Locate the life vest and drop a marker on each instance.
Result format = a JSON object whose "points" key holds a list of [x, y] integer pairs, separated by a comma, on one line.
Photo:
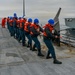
{"points": [[24, 20], [36, 27], [3, 22], [50, 28], [15, 22], [18, 23], [11, 22], [8, 19], [21, 23], [26, 26]]}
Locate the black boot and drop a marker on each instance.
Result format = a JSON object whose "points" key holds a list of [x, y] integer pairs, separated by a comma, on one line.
{"points": [[19, 39], [39, 53], [34, 48], [48, 56], [57, 62], [30, 47], [23, 44]]}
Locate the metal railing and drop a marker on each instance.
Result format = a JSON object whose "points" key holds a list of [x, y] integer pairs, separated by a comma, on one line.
{"points": [[68, 39]]}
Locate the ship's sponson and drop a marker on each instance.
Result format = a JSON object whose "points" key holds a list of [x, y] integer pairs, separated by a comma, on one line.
{"points": [[70, 22]]}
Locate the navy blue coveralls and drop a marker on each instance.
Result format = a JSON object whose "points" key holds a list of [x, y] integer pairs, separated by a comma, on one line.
{"points": [[22, 34], [35, 39], [48, 42], [27, 34]]}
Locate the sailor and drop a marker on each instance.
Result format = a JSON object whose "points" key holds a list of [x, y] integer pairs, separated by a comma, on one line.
{"points": [[18, 25], [35, 31], [15, 27], [8, 22], [11, 29], [27, 32], [47, 37], [3, 22], [21, 31]]}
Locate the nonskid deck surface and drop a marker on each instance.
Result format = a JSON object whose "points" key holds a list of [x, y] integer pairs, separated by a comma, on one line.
{"points": [[18, 60]]}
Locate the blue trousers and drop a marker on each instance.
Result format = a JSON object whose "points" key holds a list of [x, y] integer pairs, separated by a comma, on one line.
{"points": [[11, 30], [29, 38], [22, 36], [17, 33], [37, 44], [50, 47], [8, 25]]}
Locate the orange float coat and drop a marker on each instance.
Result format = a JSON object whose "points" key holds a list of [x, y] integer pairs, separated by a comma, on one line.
{"points": [[50, 29], [3, 22], [36, 27], [27, 24]]}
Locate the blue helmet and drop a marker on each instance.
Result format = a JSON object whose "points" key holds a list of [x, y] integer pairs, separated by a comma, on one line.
{"points": [[8, 17], [11, 17], [15, 15], [51, 21], [36, 21], [19, 17], [29, 20]]}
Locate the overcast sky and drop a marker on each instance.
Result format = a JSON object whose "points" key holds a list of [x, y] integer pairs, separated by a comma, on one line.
{"points": [[43, 9]]}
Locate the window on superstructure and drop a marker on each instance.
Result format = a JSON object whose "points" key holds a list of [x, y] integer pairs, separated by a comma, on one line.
{"points": [[69, 20]]}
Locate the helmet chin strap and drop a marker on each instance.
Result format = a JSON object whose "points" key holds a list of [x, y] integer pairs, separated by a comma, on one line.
{"points": [[52, 25], [37, 24]]}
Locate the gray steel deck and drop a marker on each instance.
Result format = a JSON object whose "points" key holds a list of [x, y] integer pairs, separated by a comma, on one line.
{"points": [[18, 60]]}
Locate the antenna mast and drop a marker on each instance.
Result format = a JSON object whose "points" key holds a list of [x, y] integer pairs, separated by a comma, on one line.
{"points": [[23, 8]]}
